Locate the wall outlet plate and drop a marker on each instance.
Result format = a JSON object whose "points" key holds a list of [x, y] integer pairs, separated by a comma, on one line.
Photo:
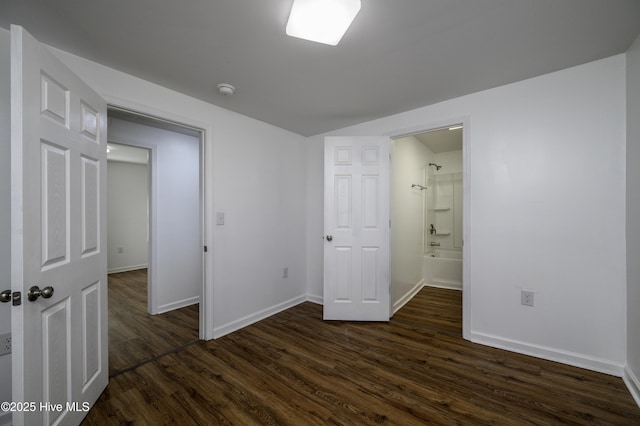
{"points": [[526, 298], [5, 343]]}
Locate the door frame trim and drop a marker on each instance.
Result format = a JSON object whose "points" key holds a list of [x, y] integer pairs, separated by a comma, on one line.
{"points": [[206, 195], [466, 196]]}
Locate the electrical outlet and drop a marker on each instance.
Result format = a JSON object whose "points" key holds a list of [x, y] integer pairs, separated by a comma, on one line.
{"points": [[5, 343], [120, 250], [285, 273], [526, 298]]}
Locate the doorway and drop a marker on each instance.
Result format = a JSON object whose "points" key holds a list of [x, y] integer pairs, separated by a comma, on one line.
{"points": [[154, 299], [427, 227]]}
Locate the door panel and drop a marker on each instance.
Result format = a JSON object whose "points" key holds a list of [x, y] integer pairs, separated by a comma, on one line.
{"points": [[356, 254], [58, 171]]}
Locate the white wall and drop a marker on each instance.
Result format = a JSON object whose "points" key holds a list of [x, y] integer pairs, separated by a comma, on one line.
{"points": [[5, 213], [255, 173], [546, 164], [409, 159], [128, 221], [176, 255], [633, 219]]}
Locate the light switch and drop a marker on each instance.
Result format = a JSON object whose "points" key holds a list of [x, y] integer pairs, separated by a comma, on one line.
{"points": [[220, 218]]}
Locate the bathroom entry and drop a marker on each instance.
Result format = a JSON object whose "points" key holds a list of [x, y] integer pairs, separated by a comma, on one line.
{"points": [[427, 213]]}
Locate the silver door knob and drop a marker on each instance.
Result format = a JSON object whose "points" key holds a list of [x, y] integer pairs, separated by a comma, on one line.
{"points": [[35, 292], [329, 238], [5, 296]]}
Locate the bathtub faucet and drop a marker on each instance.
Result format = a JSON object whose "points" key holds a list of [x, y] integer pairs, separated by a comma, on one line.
{"points": [[434, 244], [432, 229]]}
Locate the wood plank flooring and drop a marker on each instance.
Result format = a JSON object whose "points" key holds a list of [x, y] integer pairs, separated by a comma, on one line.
{"points": [[295, 369], [135, 336], [434, 308]]}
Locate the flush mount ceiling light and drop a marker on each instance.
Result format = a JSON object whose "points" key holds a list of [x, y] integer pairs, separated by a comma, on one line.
{"points": [[322, 21]]}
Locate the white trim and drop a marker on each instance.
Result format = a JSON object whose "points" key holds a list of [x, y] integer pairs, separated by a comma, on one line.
{"points": [[177, 305], [633, 384], [126, 268], [544, 352], [206, 325], [443, 284], [408, 296], [318, 300], [258, 316]]}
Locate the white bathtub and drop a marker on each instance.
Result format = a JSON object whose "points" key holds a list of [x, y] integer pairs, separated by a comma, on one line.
{"points": [[443, 268]]}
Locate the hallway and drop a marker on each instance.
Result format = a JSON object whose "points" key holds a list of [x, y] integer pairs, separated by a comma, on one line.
{"points": [[135, 337]]}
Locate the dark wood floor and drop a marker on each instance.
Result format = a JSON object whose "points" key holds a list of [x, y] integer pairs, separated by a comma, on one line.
{"points": [[295, 369], [136, 337], [434, 308]]}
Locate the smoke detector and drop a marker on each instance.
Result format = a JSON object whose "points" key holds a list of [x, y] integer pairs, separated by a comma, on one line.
{"points": [[226, 89]]}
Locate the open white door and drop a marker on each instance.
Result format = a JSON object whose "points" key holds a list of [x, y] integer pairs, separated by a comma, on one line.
{"points": [[356, 223], [58, 232]]}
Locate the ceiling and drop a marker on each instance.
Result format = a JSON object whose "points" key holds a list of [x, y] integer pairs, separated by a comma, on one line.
{"points": [[398, 55], [127, 154], [441, 140]]}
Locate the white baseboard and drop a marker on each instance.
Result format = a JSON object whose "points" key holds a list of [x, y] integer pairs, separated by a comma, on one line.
{"points": [[258, 316], [551, 354], [179, 304], [318, 300], [126, 268], [446, 285], [404, 299], [633, 384]]}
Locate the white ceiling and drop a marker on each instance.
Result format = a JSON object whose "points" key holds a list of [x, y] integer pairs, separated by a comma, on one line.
{"points": [[398, 55], [442, 140], [127, 154]]}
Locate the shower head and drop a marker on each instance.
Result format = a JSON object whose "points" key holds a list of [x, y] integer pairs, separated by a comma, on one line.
{"points": [[434, 164]]}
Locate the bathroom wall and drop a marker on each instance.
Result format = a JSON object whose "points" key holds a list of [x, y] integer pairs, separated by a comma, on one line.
{"points": [[445, 199], [409, 158], [127, 217]]}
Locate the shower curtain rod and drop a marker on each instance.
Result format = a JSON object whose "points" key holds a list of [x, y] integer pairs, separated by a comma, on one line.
{"points": [[422, 188]]}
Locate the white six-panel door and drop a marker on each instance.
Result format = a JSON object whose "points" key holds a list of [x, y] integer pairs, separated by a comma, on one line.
{"points": [[58, 156], [356, 223]]}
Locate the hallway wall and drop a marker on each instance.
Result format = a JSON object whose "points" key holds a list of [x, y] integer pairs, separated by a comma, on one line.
{"points": [[128, 216], [176, 261]]}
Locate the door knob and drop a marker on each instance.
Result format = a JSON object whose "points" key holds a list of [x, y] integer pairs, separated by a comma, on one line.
{"points": [[35, 292], [5, 296], [329, 238]]}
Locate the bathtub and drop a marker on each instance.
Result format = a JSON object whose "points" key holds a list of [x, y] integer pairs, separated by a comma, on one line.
{"points": [[443, 268]]}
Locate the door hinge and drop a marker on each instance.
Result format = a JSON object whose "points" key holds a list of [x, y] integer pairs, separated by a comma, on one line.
{"points": [[205, 249]]}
